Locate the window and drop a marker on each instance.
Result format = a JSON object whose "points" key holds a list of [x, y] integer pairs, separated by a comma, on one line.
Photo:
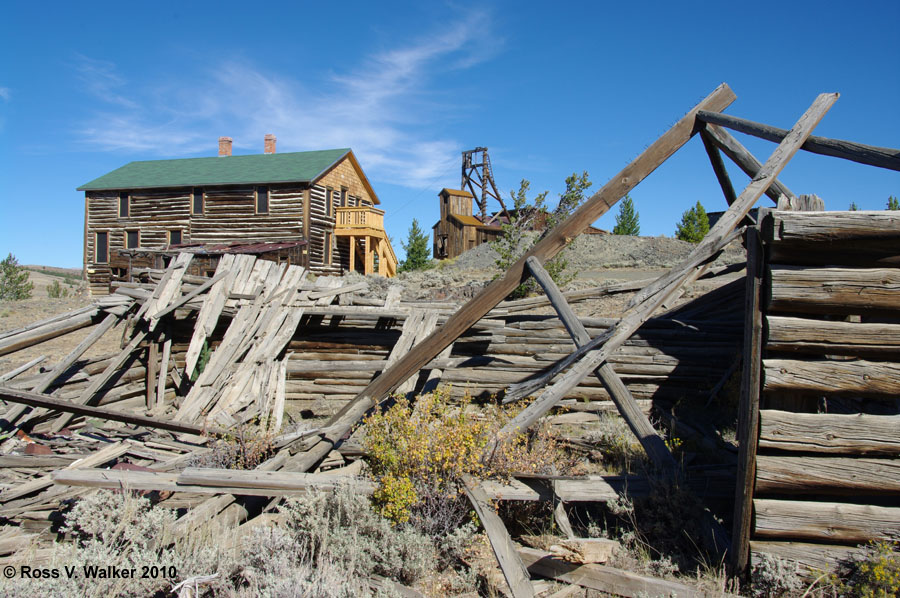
{"points": [[124, 204], [132, 239], [197, 203], [101, 248], [262, 200], [328, 251], [329, 198], [344, 197], [175, 237]]}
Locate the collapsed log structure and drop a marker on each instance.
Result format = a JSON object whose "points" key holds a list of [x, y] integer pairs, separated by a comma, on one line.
{"points": [[272, 342]]}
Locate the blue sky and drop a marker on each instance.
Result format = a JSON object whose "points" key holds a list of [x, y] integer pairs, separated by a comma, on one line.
{"points": [[550, 88]]}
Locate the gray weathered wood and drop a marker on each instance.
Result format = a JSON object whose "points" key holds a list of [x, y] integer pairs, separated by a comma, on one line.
{"points": [[608, 579], [746, 161], [47, 402], [718, 165], [834, 290], [816, 475], [871, 378], [830, 337], [883, 157], [510, 563], [838, 523], [748, 407], [811, 559], [858, 434], [832, 226]]}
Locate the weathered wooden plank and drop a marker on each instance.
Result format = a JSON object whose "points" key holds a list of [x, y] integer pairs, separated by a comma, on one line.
{"points": [[718, 166], [834, 290], [608, 579], [831, 226], [552, 244], [47, 402], [22, 368], [830, 337], [814, 521], [817, 475], [870, 378], [883, 157], [810, 559], [504, 549], [859, 434], [78, 320]]}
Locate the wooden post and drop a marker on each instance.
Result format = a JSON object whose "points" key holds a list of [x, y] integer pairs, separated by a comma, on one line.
{"points": [[352, 252], [748, 411], [152, 367]]}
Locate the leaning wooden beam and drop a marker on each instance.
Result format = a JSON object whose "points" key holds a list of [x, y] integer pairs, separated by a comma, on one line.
{"points": [[716, 238], [487, 299], [180, 302], [504, 549], [98, 382], [608, 579], [651, 441], [33, 399], [884, 157], [44, 383], [718, 166], [746, 161]]}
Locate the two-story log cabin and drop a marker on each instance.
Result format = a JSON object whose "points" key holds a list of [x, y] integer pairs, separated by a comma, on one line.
{"points": [[313, 208]]}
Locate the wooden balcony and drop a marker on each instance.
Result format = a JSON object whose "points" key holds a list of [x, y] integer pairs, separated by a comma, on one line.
{"points": [[367, 223]]}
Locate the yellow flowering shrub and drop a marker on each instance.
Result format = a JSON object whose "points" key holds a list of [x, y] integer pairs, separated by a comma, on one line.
{"points": [[418, 453], [877, 575]]}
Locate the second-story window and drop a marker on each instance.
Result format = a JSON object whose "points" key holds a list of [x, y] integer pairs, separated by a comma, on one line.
{"points": [[262, 200], [344, 203], [175, 236], [124, 205], [132, 239], [197, 203]]}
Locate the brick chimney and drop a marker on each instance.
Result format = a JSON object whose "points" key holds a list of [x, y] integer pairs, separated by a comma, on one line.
{"points": [[224, 146], [269, 144]]}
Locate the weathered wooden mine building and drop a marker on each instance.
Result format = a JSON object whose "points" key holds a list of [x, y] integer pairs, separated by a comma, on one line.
{"points": [[458, 230], [316, 208]]}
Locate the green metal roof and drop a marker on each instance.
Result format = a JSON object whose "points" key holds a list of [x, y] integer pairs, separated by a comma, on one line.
{"points": [[300, 167]]}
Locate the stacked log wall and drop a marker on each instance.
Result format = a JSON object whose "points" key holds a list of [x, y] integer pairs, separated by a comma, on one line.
{"points": [[828, 458]]}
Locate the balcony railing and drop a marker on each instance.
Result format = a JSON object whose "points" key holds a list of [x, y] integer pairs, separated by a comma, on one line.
{"points": [[363, 217]]}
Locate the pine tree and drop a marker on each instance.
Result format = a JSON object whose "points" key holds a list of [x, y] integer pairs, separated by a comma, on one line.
{"points": [[14, 283], [627, 219], [893, 203], [694, 225], [853, 207], [416, 247]]}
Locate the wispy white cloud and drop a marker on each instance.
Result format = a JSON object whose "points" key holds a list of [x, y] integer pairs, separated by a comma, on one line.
{"points": [[382, 108], [5, 93]]}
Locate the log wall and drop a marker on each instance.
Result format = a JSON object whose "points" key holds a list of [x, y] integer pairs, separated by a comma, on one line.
{"points": [[828, 459]]}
